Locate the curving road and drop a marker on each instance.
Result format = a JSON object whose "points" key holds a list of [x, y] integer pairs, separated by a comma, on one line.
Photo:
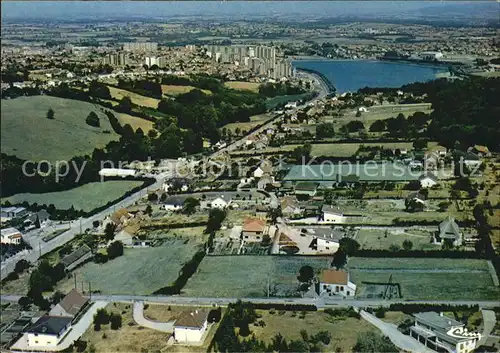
{"points": [[138, 313]]}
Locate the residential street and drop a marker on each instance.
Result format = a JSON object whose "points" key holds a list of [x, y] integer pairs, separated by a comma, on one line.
{"points": [[489, 321], [154, 325]]}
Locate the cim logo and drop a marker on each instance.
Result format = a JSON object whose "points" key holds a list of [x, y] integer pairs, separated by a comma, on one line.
{"points": [[461, 332]]}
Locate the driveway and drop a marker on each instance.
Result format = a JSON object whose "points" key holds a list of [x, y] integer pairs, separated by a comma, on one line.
{"points": [[400, 340], [75, 333], [489, 321], [154, 325]]}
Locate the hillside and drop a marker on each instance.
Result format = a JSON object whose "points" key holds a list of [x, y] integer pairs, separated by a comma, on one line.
{"points": [[28, 134]]}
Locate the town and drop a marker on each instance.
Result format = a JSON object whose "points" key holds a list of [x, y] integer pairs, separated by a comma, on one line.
{"points": [[191, 187]]}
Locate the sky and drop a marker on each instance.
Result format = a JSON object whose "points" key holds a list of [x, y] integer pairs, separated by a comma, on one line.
{"points": [[76, 10]]}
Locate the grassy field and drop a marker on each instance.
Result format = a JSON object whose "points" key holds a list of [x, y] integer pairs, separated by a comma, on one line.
{"points": [[344, 331], [381, 112], [138, 99], [275, 101], [134, 121], [129, 338], [247, 276], [379, 239], [28, 134], [175, 90], [244, 86], [426, 279], [254, 121], [138, 271], [86, 197]]}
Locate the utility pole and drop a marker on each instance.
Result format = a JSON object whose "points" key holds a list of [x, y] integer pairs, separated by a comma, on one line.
{"points": [[268, 287], [90, 291], [74, 277], [39, 249], [80, 225]]}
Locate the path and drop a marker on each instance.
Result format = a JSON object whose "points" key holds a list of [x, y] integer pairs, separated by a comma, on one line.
{"points": [[489, 321], [154, 325], [400, 340], [75, 333]]}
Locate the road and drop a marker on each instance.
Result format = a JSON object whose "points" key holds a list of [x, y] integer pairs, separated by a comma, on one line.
{"points": [[138, 313], [319, 302], [41, 248], [402, 341], [489, 321]]}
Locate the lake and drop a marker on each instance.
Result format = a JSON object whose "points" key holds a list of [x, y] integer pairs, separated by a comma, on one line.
{"points": [[351, 75]]}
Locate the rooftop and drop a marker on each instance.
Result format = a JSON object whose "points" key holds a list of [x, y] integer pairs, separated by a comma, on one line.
{"points": [[50, 325], [75, 255], [192, 319], [438, 321], [334, 277], [254, 225], [73, 302]]}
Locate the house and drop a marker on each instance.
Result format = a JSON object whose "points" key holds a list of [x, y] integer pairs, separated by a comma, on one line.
{"points": [[11, 236], [265, 181], [335, 282], [415, 197], [190, 326], [120, 217], [127, 235], [253, 230], [265, 167], [428, 180], [331, 214], [443, 334], [221, 202], [174, 203], [290, 206], [449, 229], [306, 188], [481, 151], [362, 110], [327, 242], [9, 213], [71, 305], [48, 331], [43, 217], [80, 255]]}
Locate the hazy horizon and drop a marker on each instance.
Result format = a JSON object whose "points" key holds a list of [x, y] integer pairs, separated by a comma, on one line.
{"points": [[122, 10]]}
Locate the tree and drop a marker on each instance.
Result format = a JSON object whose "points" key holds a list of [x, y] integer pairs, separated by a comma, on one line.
{"points": [[101, 317], [306, 274], [325, 130], [371, 342], [153, 197], [116, 321], [420, 144], [190, 205], [109, 231], [407, 245], [447, 244], [125, 105], [413, 185], [21, 265], [215, 219], [93, 120], [148, 210], [354, 126], [358, 114], [24, 302], [349, 246], [394, 247], [339, 259], [115, 249], [377, 126], [50, 114]]}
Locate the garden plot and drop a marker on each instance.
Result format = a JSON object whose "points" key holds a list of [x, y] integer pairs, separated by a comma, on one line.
{"points": [[249, 276], [426, 279], [138, 271], [384, 238]]}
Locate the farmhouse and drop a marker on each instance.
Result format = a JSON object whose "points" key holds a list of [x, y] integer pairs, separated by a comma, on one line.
{"points": [[48, 331], [8, 213], [127, 234], [80, 255], [443, 334], [428, 180], [264, 181], [306, 188], [253, 230], [334, 282], [190, 326], [220, 202], [11, 236], [449, 231], [120, 217], [331, 214], [71, 305], [326, 242], [174, 203], [117, 172], [290, 206], [265, 167]]}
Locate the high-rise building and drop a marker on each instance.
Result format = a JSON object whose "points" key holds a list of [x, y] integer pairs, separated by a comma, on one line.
{"points": [[159, 61], [140, 46], [116, 59]]}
